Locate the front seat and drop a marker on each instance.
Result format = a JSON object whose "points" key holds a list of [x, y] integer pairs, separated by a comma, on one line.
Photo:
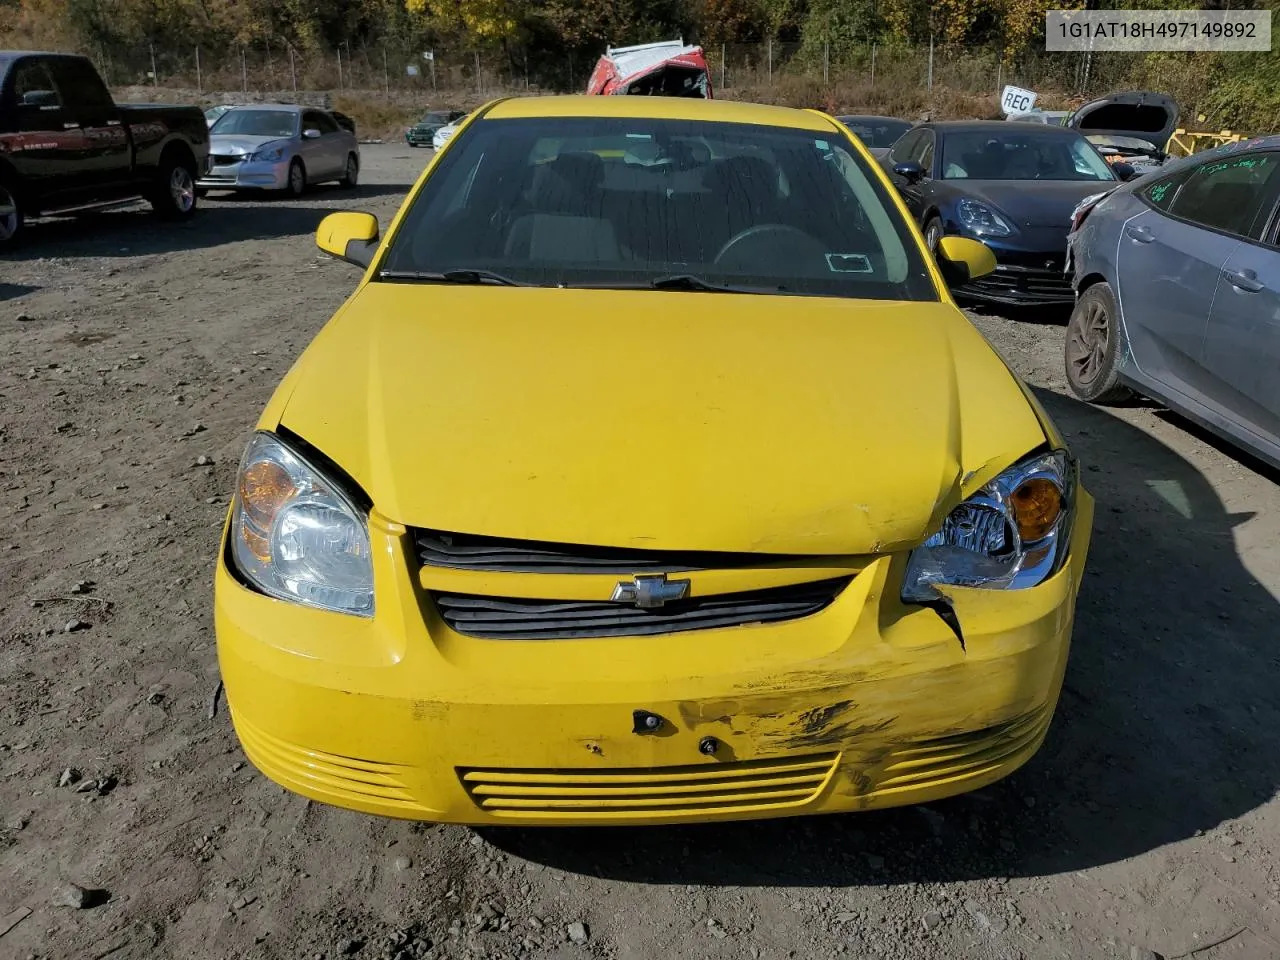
{"points": [[565, 222]]}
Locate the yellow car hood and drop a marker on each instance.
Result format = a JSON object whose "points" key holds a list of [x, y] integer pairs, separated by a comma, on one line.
{"points": [[667, 420]]}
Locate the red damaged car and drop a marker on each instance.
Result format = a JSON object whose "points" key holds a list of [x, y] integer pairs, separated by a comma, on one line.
{"points": [[667, 69]]}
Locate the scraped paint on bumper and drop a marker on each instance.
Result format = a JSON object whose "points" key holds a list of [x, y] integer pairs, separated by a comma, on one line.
{"points": [[866, 704]]}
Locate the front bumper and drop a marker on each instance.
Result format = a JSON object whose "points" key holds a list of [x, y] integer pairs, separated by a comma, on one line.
{"points": [[1019, 286], [245, 175], [866, 704], [418, 139]]}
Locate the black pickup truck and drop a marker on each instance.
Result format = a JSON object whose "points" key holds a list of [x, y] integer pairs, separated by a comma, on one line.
{"points": [[66, 146]]}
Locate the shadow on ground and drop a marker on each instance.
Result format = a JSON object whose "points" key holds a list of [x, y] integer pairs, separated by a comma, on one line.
{"points": [[1166, 724], [221, 219], [1052, 314], [12, 291]]}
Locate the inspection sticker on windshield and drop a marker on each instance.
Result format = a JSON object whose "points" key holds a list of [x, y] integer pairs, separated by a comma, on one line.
{"points": [[848, 263]]}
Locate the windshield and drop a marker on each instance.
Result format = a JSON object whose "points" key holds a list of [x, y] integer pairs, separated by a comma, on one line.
{"points": [[257, 123], [613, 202], [876, 133], [1020, 156], [436, 116]]}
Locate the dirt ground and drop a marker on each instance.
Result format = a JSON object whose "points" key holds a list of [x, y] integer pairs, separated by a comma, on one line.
{"points": [[138, 356]]}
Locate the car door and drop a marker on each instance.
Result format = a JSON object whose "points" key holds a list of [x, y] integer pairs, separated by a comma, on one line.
{"points": [[901, 152], [105, 163], [917, 195], [327, 148], [316, 155], [1242, 344], [1167, 267], [42, 142]]}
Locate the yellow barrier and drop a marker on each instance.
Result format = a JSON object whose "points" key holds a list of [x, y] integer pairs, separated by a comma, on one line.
{"points": [[1183, 143]]}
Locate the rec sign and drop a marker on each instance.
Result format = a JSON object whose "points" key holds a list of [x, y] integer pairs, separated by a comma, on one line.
{"points": [[1017, 100]]}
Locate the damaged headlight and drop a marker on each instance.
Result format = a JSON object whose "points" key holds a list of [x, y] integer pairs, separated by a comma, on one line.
{"points": [[1010, 535], [296, 536]]}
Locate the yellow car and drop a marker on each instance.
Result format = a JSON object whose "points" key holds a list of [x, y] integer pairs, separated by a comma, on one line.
{"points": [[662, 485]]}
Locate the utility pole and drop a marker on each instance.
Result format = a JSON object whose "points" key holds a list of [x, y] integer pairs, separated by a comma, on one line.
{"points": [[386, 76], [155, 79], [931, 63], [199, 81], [771, 61]]}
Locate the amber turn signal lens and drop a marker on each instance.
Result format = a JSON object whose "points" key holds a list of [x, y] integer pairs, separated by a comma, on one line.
{"points": [[265, 487], [1036, 504]]}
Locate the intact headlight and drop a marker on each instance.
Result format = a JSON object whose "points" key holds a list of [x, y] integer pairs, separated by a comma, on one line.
{"points": [[296, 536], [1010, 535], [982, 220], [268, 155]]}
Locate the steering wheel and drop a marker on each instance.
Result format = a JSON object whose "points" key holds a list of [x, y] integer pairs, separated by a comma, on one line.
{"points": [[771, 239]]}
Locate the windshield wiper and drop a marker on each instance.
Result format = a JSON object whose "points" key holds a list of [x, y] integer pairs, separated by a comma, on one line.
{"points": [[473, 277], [687, 281]]}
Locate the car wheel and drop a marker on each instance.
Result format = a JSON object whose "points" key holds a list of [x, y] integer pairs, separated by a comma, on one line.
{"points": [[11, 219], [1093, 348], [933, 233], [173, 192], [297, 183], [352, 175]]}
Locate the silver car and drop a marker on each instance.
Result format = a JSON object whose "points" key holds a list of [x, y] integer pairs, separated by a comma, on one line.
{"points": [[1178, 284], [279, 147]]}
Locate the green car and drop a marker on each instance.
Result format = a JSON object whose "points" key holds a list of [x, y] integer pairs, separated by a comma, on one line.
{"points": [[420, 134]]}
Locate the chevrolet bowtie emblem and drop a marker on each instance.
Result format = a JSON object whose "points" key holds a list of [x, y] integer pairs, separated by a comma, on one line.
{"points": [[650, 592]]}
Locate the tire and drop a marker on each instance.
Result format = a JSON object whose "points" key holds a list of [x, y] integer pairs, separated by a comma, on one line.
{"points": [[351, 177], [296, 185], [11, 218], [932, 233], [173, 192], [1092, 350]]}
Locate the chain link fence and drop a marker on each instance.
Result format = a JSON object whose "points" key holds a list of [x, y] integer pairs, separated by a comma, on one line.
{"points": [[901, 80]]}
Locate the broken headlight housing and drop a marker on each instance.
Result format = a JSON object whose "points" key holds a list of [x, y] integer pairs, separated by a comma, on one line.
{"points": [[296, 536], [1010, 535]]}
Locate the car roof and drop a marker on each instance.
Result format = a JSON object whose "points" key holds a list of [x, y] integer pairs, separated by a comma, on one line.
{"points": [[1000, 127], [659, 108], [14, 54], [286, 107], [871, 116]]}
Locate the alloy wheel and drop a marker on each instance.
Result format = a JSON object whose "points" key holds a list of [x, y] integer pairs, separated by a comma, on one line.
{"points": [[182, 189], [8, 215], [1087, 341]]}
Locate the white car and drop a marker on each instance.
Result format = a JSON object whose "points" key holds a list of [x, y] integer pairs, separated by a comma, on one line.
{"points": [[441, 136]]}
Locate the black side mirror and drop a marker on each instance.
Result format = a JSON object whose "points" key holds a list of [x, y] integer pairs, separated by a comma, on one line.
{"points": [[1125, 171], [909, 171]]}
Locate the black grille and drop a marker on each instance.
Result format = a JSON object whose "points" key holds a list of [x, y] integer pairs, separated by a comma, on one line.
{"points": [[470, 552], [225, 159], [1010, 284], [501, 618]]}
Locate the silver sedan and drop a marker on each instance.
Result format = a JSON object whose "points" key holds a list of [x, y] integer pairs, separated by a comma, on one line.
{"points": [[279, 147], [1178, 283]]}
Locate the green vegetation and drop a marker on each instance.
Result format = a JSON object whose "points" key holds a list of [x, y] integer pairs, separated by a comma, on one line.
{"points": [[821, 49]]}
